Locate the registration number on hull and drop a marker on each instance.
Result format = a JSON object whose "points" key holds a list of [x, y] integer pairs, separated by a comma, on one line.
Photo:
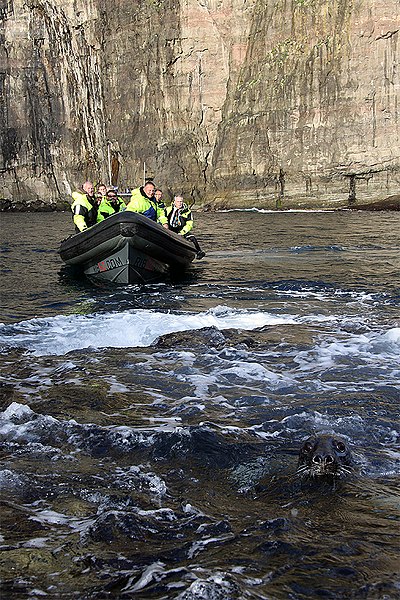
{"points": [[109, 263]]}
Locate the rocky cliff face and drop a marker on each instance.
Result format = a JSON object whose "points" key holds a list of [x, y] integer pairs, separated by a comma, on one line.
{"points": [[217, 98]]}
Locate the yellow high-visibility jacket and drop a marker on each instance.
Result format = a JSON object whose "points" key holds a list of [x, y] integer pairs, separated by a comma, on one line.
{"points": [[106, 208], [140, 203], [179, 220], [84, 210]]}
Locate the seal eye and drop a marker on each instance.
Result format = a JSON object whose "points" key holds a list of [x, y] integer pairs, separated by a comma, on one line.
{"points": [[340, 447], [308, 447]]}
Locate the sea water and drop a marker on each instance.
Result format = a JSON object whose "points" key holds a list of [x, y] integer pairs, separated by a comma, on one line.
{"points": [[150, 433]]}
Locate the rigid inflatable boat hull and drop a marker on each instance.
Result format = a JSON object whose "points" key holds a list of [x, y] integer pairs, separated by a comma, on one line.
{"points": [[128, 248], [126, 265]]}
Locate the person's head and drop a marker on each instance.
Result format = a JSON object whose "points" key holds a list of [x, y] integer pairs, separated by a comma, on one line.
{"points": [[88, 187], [101, 189], [149, 189], [158, 194], [178, 201], [111, 195]]}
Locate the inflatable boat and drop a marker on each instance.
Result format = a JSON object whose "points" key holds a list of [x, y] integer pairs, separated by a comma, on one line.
{"points": [[128, 248]]}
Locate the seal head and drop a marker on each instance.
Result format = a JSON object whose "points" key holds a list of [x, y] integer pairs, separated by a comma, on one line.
{"points": [[324, 456]]}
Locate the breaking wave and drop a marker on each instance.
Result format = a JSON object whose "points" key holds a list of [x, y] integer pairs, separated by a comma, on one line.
{"points": [[61, 334]]}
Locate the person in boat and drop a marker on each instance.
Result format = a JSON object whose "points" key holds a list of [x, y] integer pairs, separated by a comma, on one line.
{"points": [[142, 201], [179, 216], [180, 220], [101, 192], [158, 194], [109, 205], [84, 207]]}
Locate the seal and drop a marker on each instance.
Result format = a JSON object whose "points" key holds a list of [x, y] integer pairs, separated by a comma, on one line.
{"points": [[324, 456]]}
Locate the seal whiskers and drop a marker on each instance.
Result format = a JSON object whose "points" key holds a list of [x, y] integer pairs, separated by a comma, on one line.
{"points": [[324, 456]]}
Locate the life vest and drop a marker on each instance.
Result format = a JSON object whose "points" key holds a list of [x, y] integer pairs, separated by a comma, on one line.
{"points": [[107, 208], [180, 220], [84, 210], [146, 206], [151, 212]]}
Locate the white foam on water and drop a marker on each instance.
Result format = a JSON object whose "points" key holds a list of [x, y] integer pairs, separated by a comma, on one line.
{"points": [[251, 371], [139, 328], [390, 338], [280, 211], [50, 517], [312, 422], [201, 545], [152, 572], [19, 422], [366, 348], [9, 479], [16, 411], [39, 542], [134, 477], [35, 592]]}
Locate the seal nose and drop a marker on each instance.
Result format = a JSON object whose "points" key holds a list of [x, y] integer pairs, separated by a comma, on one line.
{"points": [[326, 459]]}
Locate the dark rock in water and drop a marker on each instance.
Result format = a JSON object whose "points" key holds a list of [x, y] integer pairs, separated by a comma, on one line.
{"points": [[113, 525], [278, 524], [390, 203], [202, 445], [211, 337], [207, 336], [36, 205], [5, 204], [214, 529]]}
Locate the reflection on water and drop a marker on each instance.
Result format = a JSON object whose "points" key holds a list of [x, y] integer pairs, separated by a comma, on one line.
{"points": [[150, 433]]}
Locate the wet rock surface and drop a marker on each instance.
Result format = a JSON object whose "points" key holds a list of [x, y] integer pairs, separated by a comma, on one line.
{"points": [[220, 101], [391, 203]]}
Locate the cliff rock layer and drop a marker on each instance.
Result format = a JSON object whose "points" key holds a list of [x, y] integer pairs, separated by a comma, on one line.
{"points": [[215, 98]]}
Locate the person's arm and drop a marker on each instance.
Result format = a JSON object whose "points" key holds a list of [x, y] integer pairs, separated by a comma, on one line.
{"points": [[80, 213], [122, 205], [104, 210], [161, 218], [188, 225], [136, 204], [79, 221]]}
